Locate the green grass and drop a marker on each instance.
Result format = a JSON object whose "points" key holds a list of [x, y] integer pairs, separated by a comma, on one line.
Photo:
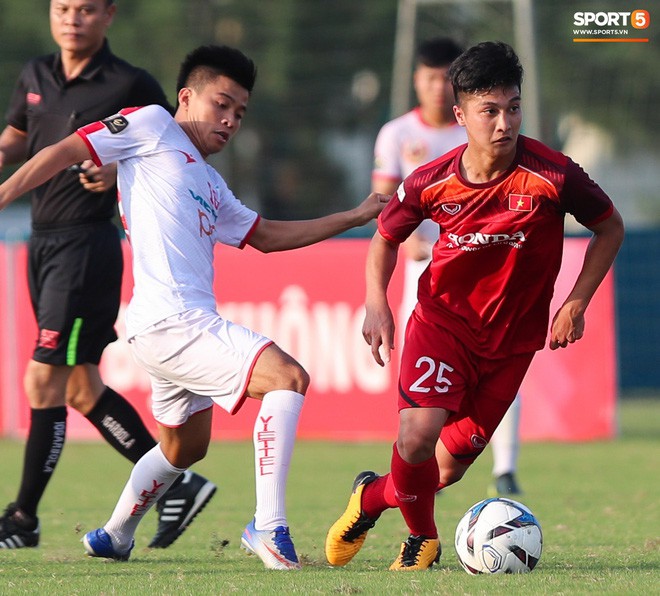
{"points": [[597, 502]]}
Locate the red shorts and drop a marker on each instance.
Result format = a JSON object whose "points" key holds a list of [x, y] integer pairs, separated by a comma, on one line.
{"points": [[438, 371]]}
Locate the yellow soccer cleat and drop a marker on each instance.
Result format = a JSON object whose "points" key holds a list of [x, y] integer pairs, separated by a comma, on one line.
{"points": [[347, 535], [418, 552]]}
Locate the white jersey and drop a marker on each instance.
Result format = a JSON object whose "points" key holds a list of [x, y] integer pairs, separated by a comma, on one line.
{"points": [[174, 208], [407, 142]]}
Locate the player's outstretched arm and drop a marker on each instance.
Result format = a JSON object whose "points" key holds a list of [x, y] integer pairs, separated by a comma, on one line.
{"points": [[378, 327], [273, 235], [42, 167], [13, 146], [568, 323]]}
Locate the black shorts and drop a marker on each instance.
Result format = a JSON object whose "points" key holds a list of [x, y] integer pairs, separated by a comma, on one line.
{"points": [[75, 285]]}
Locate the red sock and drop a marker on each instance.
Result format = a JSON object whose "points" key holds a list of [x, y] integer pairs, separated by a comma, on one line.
{"points": [[416, 485], [381, 495], [378, 496]]}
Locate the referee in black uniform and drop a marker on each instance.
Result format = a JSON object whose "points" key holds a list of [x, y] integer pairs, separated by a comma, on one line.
{"points": [[75, 264]]}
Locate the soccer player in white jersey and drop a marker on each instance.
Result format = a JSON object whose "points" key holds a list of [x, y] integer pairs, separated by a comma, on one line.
{"points": [[421, 135], [175, 207]]}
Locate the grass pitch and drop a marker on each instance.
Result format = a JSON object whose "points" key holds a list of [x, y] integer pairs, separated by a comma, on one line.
{"points": [[597, 503]]}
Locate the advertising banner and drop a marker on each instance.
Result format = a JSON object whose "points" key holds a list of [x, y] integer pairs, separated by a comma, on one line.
{"points": [[311, 303]]}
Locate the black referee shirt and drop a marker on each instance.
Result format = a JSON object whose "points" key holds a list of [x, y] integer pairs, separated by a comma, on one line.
{"points": [[48, 108]]}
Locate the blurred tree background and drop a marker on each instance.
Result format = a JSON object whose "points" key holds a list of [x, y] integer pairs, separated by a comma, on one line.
{"points": [[325, 73]]}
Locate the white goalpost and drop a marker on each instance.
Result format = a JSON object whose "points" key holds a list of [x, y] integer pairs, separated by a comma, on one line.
{"points": [[404, 52]]}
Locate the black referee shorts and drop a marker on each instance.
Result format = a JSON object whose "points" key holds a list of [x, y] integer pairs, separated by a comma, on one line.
{"points": [[75, 276]]}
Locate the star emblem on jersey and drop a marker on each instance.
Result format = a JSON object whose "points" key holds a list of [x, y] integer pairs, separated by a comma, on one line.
{"points": [[520, 202], [451, 208]]}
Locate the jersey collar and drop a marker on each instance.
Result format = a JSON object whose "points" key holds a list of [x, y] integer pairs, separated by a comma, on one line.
{"points": [[98, 60], [520, 145]]}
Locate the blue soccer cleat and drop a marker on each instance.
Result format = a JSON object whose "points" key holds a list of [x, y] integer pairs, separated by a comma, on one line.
{"points": [[273, 547], [98, 544]]}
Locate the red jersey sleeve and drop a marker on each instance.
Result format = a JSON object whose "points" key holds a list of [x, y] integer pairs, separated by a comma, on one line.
{"points": [[402, 214], [406, 210], [583, 198]]}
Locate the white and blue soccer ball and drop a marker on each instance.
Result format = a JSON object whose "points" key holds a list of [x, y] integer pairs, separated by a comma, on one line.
{"points": [[498, 536]]}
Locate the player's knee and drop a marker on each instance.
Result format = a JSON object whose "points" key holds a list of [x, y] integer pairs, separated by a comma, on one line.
{"points": [[44, 385], [82, 401], [416, 448], [293, 377], [185, 457], [198, 453], [301, 380]]}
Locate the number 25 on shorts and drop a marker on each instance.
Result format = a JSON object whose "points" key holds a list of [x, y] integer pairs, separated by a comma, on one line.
{"points": [[430, 368]]}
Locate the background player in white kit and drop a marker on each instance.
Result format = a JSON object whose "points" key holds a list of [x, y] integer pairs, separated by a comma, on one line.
{"points": [[175, 207], [421, 135]]}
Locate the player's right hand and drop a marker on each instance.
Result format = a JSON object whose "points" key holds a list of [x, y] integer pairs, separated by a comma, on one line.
{"points": [[98, 179], [372, 206], [378, 332]]}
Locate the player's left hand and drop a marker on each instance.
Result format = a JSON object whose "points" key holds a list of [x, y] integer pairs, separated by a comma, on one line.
{"points": [[567, 325], [98, 179], [372, 206]]}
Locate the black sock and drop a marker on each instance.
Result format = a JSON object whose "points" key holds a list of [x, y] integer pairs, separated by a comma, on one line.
{"points": [[121, 426], [42, 452]]}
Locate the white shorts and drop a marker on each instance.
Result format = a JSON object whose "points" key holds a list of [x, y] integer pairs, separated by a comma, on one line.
{"points": [[194, 359]]}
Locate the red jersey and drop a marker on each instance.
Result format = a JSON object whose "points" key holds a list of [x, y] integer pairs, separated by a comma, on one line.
{"points": [[492, 274]]}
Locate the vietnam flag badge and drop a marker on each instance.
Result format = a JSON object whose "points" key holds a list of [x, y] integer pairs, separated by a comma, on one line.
{"points": [[520, 202]]}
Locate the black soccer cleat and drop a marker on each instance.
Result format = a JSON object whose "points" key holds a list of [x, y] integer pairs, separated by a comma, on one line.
{"points": [[18, 530], [506, 485], [178, 507]]}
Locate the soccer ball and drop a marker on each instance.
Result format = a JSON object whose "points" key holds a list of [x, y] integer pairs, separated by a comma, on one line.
{"points": [[498, 536]]}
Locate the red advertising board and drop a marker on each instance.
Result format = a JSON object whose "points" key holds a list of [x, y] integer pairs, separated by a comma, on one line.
{"points": [[310, 301], [570, 394]]}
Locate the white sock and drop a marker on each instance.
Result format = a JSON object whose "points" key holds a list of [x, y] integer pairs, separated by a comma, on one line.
{"points": [[274, 437], [152, 475], [506, 441]]}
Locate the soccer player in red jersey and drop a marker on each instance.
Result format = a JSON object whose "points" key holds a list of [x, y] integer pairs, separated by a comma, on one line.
{"points": [[483, 304], [420, 135]]}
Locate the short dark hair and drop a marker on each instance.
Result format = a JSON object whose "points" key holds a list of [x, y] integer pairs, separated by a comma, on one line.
{"points": [[438, 52], [484, 67], [208, 62]]}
